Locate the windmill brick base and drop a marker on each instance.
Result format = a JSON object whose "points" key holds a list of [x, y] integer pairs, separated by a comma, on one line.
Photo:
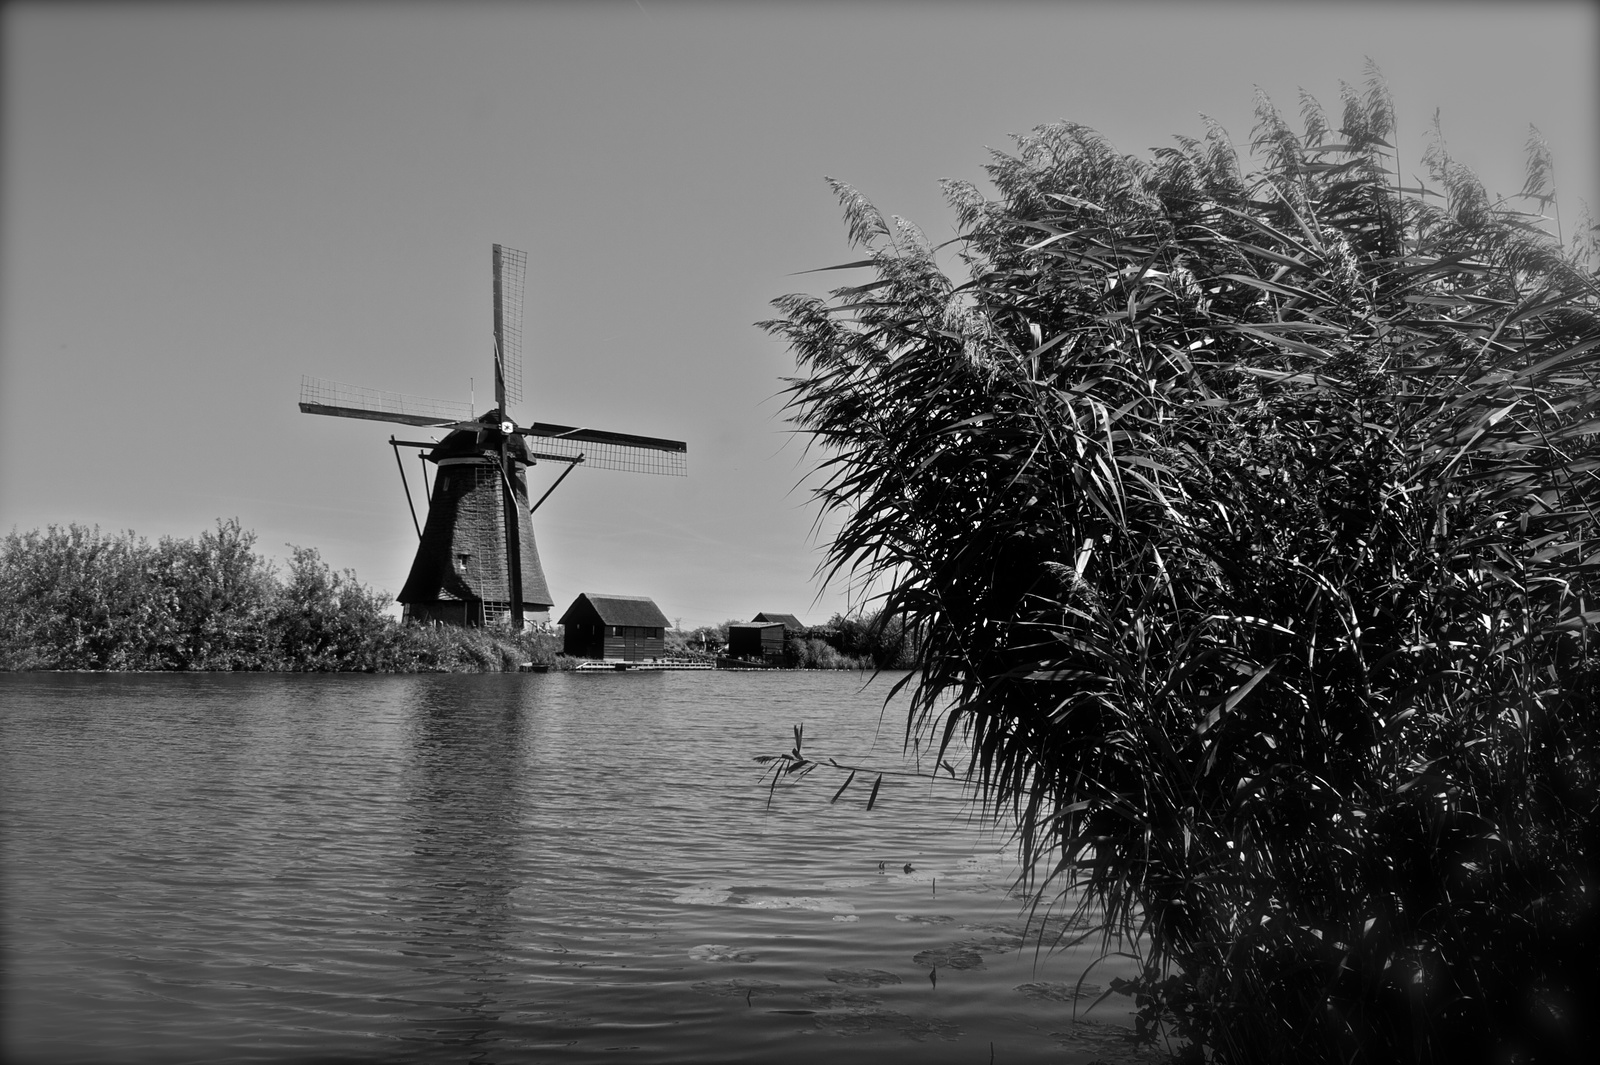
{"points": [[460, 575]]}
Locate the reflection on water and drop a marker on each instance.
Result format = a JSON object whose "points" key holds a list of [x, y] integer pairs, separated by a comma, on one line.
{"points": [[502, 869], [464, 813]]}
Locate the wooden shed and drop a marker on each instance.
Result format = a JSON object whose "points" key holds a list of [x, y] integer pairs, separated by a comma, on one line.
{"points": [[789, 621], [617, 628], [756, 640]]}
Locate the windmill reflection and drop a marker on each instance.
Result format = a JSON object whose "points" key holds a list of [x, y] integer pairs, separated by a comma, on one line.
{"points": [[463, 793]]}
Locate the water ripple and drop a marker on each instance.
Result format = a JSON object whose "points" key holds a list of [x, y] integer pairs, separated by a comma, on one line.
{"points": [[497, 868]]}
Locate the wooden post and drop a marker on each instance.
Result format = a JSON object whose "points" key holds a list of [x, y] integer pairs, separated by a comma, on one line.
{"points": [[513, 534], [507, 469]]}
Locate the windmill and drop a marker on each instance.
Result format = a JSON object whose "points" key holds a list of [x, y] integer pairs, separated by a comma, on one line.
{"points": [[476, 560]]}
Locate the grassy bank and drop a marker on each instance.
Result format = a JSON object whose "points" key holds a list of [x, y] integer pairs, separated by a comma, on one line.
{"points": [[76, 598]]}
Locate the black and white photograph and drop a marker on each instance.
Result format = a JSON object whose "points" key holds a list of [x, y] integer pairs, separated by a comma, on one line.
{"points": [[685, 531]]}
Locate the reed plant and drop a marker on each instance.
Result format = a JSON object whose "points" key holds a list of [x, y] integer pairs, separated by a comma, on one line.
{"points": [[873, 640], [813, 652], [1246, 517]]}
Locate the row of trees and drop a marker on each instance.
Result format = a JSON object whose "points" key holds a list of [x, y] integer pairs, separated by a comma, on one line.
{"points": [[878, 640], [863, 641], [1249, 522], [77, 598]]}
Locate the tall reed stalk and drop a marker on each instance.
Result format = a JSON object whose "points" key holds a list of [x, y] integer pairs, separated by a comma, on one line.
{"points": [[1248, 521]]}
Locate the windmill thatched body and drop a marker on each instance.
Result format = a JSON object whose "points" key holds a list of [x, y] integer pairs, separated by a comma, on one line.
{"points": [[477, 562], [460, 574]]}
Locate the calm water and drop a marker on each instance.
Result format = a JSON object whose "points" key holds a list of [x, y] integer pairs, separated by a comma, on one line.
{"points": [[503, 869]]}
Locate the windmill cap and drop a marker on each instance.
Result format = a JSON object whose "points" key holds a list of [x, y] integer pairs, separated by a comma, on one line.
{"points": [[465, 443]]}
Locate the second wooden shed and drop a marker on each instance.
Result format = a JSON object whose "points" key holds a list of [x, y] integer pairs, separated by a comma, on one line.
{"points": [[756, 640], [619, 628]]}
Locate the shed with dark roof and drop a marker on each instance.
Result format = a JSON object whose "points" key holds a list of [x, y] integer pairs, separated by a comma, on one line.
{"points": [[753, 640], [789, 622], [620, 628]]}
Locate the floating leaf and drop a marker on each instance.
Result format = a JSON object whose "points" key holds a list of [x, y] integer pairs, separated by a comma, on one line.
{"points": [[717, 952], [735, 988], [861, 977], [1058, 992], [863, 1022], [832, 999], [956, 957]]}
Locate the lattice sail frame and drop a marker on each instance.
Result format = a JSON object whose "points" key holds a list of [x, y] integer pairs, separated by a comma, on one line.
{"points": [[510, 280], [316, 392], [608, 456], [559, 443]]}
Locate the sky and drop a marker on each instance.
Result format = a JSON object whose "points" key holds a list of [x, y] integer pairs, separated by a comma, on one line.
{"points": [[200, 203]]}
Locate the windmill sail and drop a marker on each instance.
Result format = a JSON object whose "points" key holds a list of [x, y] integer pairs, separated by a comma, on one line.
{"points": [[609, 451], [352, 401], [510, 270], [477, 562]]}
